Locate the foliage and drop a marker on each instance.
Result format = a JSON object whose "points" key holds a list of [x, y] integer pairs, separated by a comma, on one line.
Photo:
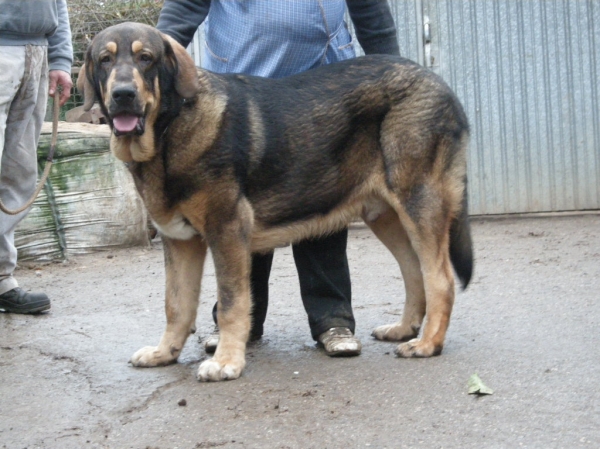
{"points": [[88, 17], [476, 386]]}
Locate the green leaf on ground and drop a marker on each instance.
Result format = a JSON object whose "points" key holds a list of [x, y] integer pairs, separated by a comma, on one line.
{"points": [[476, 386]]}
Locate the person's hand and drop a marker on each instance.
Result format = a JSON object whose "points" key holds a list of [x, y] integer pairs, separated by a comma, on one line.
{"points": [[63, 79]]}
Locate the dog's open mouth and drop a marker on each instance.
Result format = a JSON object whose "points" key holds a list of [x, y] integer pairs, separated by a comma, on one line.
{"points": [[128, 124]]}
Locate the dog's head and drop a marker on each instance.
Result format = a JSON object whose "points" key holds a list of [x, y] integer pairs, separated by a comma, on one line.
{"points": [[138, 75]]}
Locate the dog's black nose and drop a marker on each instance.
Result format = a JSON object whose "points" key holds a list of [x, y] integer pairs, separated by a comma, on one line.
{"points": [[124, 95]]}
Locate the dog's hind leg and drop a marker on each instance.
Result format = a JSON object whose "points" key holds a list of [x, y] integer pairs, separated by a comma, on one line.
{"points": [[389, 230], [430, 240], [184, 264]]}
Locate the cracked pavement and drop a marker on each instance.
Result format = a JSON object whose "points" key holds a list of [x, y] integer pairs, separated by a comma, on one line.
{"points": [[528, 325]]}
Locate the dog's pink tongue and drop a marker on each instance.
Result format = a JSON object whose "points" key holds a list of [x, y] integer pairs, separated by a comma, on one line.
{"points": [[125, 123]]}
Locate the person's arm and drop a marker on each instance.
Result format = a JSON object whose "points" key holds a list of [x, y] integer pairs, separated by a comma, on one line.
{"points": [[181, 18], [60, 55], [374, 26]]}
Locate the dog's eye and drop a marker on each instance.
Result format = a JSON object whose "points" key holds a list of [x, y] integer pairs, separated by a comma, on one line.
{"points": [[104, 59], [146, 57]]}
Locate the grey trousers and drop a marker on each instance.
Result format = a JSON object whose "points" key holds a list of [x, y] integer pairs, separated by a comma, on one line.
{"points": [[23, 96]]}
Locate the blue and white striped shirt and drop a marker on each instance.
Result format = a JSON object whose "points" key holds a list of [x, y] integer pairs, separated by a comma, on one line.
{"points": [[275, 38]]}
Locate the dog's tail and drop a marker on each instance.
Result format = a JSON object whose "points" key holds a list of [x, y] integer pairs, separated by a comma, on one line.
{"points": [[461, 245]]}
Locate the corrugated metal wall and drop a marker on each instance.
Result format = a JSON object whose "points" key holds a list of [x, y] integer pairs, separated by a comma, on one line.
{"points": [[527, 72]]}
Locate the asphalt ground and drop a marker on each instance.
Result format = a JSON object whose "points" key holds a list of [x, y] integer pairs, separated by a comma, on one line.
{"points": [[528, 325]]}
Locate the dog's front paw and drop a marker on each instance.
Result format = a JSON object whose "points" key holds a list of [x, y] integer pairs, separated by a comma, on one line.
{"points": [[212, 370], [418, 348], [395, 332], [150, 356]]}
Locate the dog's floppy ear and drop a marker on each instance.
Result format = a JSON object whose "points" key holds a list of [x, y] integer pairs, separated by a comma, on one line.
{"points": [[84, 86], [186, 82]]}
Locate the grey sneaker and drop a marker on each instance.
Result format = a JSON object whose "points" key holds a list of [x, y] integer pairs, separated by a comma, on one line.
{"points": [[340, 342], [211, 342], [18, 300]]}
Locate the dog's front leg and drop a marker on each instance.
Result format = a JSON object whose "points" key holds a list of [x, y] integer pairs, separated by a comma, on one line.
{"points": [[184, 264], [230, 246]]}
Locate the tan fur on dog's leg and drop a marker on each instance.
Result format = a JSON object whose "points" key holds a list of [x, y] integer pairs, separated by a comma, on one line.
{"points": [[389, 230], [439, 292], [184, 263], [230, 248], [229, 359]]}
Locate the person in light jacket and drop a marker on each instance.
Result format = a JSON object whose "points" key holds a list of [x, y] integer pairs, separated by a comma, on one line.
{"points": [[36, 55]]}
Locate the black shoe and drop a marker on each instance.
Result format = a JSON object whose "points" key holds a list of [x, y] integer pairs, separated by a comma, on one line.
{"points": [[18, 300]]}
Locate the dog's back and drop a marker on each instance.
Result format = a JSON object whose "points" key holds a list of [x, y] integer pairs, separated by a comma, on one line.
{"points": [[300, 146]]}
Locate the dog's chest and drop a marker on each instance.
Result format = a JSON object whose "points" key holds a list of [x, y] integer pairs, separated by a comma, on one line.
{"points": [[176, 228], [169, 221]]}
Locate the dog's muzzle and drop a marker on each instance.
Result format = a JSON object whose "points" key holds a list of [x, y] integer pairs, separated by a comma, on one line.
{"points": [[125, 115]]}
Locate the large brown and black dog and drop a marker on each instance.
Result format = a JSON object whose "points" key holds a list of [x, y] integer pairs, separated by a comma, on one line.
{"points": [[240, 164]]}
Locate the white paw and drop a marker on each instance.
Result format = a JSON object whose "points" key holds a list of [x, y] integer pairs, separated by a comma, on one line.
{"points": [[380, 332], [212, 371], [395, 332], [150, 356], [418, 348]]}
